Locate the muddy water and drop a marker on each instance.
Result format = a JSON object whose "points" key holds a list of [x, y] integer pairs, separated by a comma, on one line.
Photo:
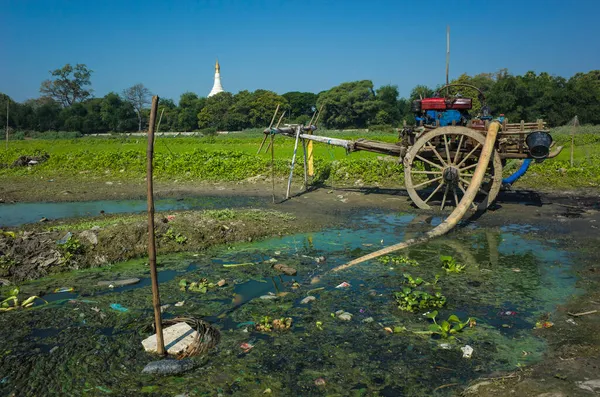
{"points": [[21, 213], [514, 277]]}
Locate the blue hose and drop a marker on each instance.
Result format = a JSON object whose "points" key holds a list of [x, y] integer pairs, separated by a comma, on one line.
{"points": [[519, 173]]}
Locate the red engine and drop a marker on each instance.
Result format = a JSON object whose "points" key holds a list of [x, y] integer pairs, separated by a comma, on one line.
{"points": [[446, 103]]}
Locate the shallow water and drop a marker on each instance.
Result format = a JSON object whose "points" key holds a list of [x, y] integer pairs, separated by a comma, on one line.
{"points": [[512, 279], [21, 213]]}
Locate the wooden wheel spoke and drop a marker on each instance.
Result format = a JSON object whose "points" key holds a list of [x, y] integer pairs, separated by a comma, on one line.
{"points": [[464, 193], [437, 154], [428, 162], [469, 155], [455, 197], [433, 193], [468, 183], [468, 167], [447, 149], [427, 182], [428, 172], [444, 198], [458, 149]]}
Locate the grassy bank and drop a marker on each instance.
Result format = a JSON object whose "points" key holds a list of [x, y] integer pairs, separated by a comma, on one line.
{"points": [[233, 158]]}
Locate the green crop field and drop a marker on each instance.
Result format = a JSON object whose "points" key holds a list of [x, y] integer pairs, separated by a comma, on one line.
{"points": [[233, 157]]}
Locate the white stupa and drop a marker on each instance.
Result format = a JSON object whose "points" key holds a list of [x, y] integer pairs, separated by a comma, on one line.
{"points": [[217, 87]]}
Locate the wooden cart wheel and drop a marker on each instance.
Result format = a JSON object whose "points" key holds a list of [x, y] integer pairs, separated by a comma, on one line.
{"points": [[439, 167]]}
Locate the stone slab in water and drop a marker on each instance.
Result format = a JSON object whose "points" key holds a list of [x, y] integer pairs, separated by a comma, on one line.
{"points": [[176, 337], [168, 367], [119, 283]]}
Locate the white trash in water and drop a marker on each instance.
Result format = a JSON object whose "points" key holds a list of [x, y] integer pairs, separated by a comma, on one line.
{"points": [[467, 351]]}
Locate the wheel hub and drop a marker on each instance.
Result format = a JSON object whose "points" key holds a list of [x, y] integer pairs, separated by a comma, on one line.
{"points": [[450, 175]]}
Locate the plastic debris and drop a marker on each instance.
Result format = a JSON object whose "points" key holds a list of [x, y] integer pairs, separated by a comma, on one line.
{"points": [[65, 238], [118, 307], [388, 330], [268, 297], [467, 351], [285, 269], [168, 367], [544, 324], [343, 285], [308, 299], [118, 283], [179, 304], [221, 283], [571, 321], [64, 289], [343, 315], [320, 382], [164, 307], [246, 324], [589, 385], [320, 259], [445, 346], [246, 347]]}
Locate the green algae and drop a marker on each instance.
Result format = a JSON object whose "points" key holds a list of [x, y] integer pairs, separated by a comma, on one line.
{"points": [[77, 343]]}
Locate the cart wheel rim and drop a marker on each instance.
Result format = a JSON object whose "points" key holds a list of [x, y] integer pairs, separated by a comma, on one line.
{"points": [[449, 156]]}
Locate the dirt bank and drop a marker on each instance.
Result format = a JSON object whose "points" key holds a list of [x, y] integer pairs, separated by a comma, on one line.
{"points": [[42, 249]]}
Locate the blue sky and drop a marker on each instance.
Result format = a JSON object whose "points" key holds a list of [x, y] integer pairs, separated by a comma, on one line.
{"points": [[171, 46]]}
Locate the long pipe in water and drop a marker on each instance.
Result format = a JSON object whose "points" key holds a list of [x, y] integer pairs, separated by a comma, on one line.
{"points": [[456, 215]]}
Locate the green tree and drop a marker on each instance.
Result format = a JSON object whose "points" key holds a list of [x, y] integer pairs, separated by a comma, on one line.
{"points": [[69, 85], [117, 114], [420, 92], [263, 106], [169, 112], [189, 107], [389, 110], [350, 104], [213, 114], [301, 104]]}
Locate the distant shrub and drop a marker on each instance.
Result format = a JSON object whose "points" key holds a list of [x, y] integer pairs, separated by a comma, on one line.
{"points": [[56, 135], [210, 131], [382, 128]]}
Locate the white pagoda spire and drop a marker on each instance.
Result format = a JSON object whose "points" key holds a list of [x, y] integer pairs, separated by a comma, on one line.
{"points": [[217, 87]]}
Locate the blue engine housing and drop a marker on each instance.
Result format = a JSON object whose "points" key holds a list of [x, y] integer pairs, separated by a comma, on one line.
{"points": [[446, 117]]}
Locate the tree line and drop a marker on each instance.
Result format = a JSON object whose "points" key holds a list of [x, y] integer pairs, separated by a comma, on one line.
{"points": [[67, 104]]}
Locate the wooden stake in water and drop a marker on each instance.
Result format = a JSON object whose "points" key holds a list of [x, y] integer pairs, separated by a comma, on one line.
{"points": [[160, 343]]}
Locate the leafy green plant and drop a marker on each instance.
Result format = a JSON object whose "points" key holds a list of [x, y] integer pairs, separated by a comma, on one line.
{"points": [[397, 260], [201, 286], [71, 247], [413, 300], [264, 324], [447, 328], [413, 282], [12, 302], [179, 238], [450, 265]]}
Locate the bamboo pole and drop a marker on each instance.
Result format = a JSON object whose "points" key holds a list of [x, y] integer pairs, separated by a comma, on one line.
{"points": [[289, 186], [575, 124], [7, 103], [160, 343], [305, 165]]}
